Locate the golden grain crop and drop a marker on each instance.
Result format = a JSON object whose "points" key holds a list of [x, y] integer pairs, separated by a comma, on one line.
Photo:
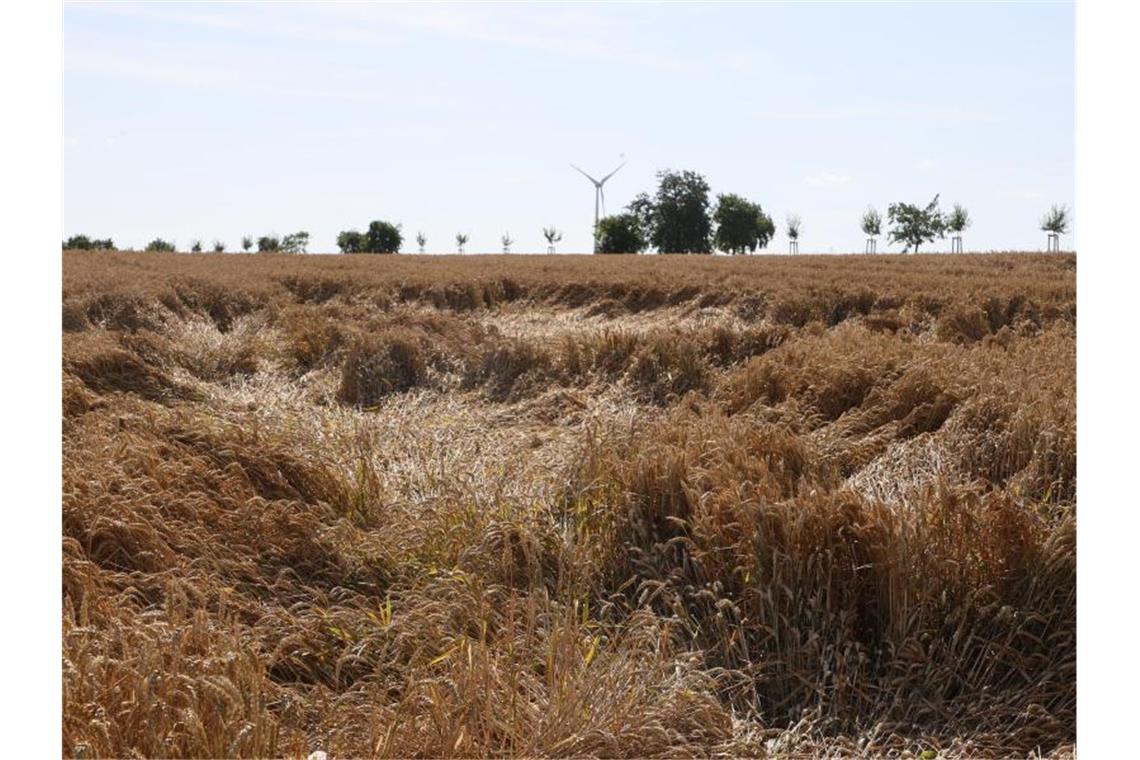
{"points": [[568, 506]]}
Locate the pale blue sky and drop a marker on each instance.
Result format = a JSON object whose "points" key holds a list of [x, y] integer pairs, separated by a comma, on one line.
{"points": [[217, 120]]}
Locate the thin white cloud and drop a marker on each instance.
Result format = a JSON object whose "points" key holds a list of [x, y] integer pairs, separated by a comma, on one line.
{"points": [[927, 164], [826, 180], [578, 31]]}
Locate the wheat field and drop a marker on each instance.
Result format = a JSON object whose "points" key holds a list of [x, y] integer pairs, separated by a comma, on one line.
{"points": [[403, 506]]}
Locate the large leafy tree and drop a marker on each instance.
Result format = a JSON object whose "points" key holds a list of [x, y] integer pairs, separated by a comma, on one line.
{"points": [[295, 243], [676, 219], [350, 241], [383, 237], [268, 244], [246, 242], [620, 233], [741, 226], [912, 226]]}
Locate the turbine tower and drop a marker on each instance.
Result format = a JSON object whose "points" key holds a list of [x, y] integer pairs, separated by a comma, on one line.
{"points": [[599, 197]]}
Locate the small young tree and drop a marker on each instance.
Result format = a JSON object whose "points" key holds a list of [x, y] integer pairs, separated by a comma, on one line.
{"points": [[552, 236], [507, 242], [219, 246], [196, 246], [158, 244], [298, 242], [461, 239], [246, 243], [383, 237], [421, 240], [741, 226], [912, 226], [793, 227], [1056, 223], [956, 222], [105, 244], [350, 241], [268, 244], [872, 227], [620, 233]]}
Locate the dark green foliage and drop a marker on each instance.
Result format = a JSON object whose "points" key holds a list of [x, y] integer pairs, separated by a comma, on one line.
{"points": [[1056, 221], [912, 226], [219, 246], [246, 242], [677, 219], [383, 237], [350, 241], [872, 222], [793, 225], [620, 233], [295, 243], [958, 219], [741, 226], [196, 246], [84, 243], [158, 244], [268, 244]]}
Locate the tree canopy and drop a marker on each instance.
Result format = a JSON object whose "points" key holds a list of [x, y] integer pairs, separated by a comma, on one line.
{"points": [[84, 243], [268, 244], [158, 244], [741, 226], [793, 227], [872, 222], [676, 219], [620, 233], [1056, 221], [381, 237], [912, 226], [298, 242], [958, 219]]}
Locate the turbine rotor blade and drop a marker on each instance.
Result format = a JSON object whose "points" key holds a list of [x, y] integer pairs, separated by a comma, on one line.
{"points": [[587, 176], [615, 171]]}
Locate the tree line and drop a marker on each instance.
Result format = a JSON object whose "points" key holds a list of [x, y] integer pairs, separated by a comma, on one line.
{"points": [[679, 217]]}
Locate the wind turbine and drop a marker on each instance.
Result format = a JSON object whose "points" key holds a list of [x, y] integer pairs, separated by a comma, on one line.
{"points": [[599, 197]]}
